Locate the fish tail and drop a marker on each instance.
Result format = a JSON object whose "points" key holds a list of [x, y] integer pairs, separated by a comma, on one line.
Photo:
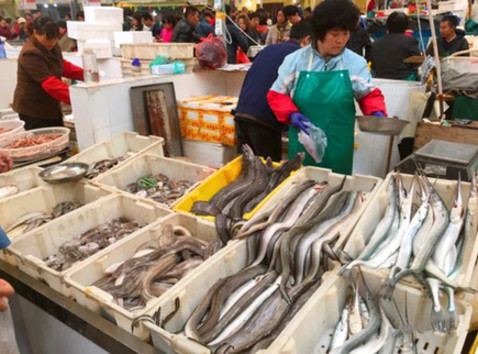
{"points": [[439, 320], [387, 288], [283, 291]]}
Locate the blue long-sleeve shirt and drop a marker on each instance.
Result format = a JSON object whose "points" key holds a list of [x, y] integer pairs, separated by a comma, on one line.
{"points": [[259, 79]]}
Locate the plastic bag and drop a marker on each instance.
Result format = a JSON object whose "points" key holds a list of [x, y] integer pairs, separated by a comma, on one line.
{"points": [[8, 342], [159, 60], [241, 57], [211, 53], [315, 143]]}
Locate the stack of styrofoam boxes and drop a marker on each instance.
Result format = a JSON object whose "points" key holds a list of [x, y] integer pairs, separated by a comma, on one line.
{"points": [[132, 37], [97, 32]]}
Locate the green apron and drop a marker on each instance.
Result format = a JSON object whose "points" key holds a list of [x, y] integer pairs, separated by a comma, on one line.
{"points": [[327, 99]]}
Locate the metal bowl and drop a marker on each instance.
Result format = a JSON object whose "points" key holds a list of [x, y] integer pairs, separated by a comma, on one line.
{"points": [[381, 125], [67, 172]]}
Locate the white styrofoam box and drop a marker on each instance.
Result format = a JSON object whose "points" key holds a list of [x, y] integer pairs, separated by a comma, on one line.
{"points": [[99, 301], [101, 47], [128, 144], [376, 208], [310, 331], [152, 50], [24, 178], [208, 154], [146, 164], [31, 249], [83, 31], [368, 185], [132, 37], [44, 199], [109, 15]]}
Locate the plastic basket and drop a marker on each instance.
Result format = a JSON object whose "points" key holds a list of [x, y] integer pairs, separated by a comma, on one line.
{"points": [[152, 50], [376, 208], [100, 301], [143, 165], [35, 151], [31, 249], [23, 178], [307, 334], [15, 126], [127, 144]]}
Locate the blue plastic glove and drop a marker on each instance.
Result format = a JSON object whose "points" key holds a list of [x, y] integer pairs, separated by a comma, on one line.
{"points": [[299, 121], [4, 240], [378, 114]]}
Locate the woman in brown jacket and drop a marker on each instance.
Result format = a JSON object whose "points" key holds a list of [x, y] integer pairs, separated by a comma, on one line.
{"points": [[39, 88]]}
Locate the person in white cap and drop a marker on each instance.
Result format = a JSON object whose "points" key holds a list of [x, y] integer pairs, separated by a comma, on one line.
{"points": [[22, 29]]}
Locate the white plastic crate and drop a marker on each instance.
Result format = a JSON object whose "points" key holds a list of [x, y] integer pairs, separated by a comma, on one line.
{"points": [[311, 329], [151, 51], [146, 164], [103, 15], [126, 144], [208, 154], [43, 199], [23, 178], [132, 37], [32, 249], [99, 301], [83, 31], [374, 212], [101, 47]]}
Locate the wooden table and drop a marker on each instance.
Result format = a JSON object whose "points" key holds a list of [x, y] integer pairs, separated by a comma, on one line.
{"points": [[425, 132]]}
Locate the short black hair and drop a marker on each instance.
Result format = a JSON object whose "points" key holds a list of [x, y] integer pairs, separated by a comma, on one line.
{"points": [[61, 24], [168, 18], [301, 30], [46, 26], [451, 19], [147, 16], [254, 15], [334, 14], [397, 22], [290, 10], [80, 14], [190, 10]]}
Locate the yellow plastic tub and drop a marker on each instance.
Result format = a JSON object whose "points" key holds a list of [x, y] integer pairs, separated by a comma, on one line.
{"points": [[218, 180], [474, 347]]}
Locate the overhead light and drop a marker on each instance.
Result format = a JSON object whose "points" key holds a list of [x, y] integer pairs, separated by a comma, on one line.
{"points": [[55, 5], [45, 6], [154, 13]]}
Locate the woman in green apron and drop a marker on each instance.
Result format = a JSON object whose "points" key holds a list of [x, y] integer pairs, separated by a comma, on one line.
{"points": [[318, 84]]}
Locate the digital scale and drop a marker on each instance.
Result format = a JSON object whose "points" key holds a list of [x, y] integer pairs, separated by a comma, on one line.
{"points": [[442, 159]]}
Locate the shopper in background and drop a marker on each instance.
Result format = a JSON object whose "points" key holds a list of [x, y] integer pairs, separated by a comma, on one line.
{"points": [[39, 88], [167, 30], [66, 43], [148, 22], [80, 16], [451, 39], [37, 14], [23, 29], [292, 14], [252, 31], [185, 30], [204, 27], [127, 19], [255, 122], [67, 17], [388, 53], [238, 39], [5, 30], [307, 13], [136, 22], [317, 85], [280, 31], [360, 41]]}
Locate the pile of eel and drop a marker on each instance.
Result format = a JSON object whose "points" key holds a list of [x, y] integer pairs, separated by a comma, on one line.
{"points": [[290, 246], [155, 267], [99, 167], [90, 242], [429, 243], [255, 182]]}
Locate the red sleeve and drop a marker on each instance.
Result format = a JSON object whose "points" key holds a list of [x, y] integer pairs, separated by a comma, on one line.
{"points": [[71, 71], [57, 89], [373, 102], [282, 106]]}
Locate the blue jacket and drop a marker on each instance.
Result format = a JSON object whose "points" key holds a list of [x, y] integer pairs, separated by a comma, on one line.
{"points": [[259, 79]]}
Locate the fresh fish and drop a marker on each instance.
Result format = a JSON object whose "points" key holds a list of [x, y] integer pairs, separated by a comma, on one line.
{"points": [[204, 208], [341, 330], [374, 346], [355, 320], [8, 191], [25, 219]]}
